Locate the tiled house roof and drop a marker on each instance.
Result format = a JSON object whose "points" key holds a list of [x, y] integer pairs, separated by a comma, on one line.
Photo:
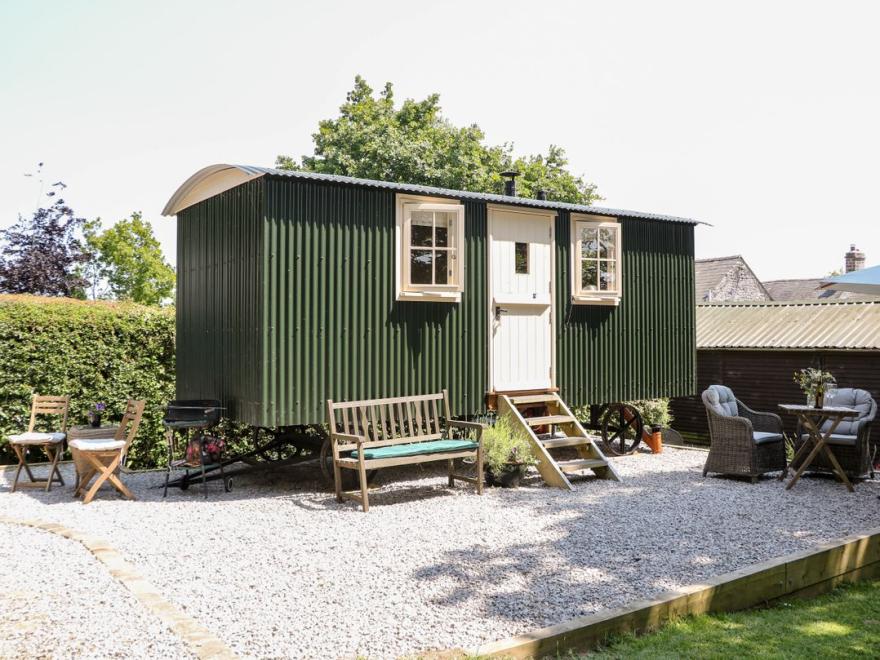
{"points": [[806, 290], [724, 279]]}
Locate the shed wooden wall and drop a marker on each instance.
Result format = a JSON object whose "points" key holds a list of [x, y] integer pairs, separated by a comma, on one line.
{"points": [[763, 379]]}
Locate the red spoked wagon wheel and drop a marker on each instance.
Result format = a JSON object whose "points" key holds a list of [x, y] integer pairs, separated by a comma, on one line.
{"points": [[622, 428]]}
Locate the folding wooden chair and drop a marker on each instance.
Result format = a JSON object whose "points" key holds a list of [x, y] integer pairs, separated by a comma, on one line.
{"points": [[52, 443], [103, 457]]}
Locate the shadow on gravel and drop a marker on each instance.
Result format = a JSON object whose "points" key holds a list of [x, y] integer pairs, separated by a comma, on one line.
{"points": [[639, 538]]}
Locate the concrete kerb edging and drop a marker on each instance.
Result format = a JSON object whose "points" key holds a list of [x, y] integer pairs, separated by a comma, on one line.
{"points": [[199, 639], [807, 573]]}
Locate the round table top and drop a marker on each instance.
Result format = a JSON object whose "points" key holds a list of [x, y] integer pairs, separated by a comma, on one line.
{"points": [[89, 431]]}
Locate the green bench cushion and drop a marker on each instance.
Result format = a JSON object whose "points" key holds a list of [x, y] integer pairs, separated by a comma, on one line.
{"points": [[417, 449]]}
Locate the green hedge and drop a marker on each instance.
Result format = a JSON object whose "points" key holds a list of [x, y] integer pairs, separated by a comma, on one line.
{"points": [[92, 351]]}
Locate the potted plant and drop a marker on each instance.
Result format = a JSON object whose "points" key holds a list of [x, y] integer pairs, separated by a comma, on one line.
{"points": [[95, 414], [655, 416], [814, 383], [507, 453]]}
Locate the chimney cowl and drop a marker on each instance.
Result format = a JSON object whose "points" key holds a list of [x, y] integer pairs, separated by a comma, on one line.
{"points": [[510, 183]]}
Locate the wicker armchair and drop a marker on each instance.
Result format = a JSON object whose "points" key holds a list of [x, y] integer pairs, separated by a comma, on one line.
{"points": [[744, 442], [851, 440]]}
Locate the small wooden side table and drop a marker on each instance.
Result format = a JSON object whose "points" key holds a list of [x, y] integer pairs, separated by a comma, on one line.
{"points": [[812, 420]]}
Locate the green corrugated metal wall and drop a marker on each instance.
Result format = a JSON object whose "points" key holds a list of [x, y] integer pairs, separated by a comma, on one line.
{"points": [[286, 298], [333, 328], [646, 346], [219, 280]]}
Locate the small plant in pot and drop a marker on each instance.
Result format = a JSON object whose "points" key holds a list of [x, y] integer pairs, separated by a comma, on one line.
{"points": [[506, 453], [815, 383], [95, 414]]}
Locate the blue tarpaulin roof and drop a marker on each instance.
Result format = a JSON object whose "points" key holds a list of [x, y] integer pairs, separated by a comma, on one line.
{"points": [[866, 280]]}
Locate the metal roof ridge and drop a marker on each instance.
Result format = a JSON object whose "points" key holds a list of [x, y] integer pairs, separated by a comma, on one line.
{"points": [[475, 195]]}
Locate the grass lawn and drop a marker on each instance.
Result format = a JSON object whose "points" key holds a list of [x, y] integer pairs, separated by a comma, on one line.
{"points": [[844, 623]]}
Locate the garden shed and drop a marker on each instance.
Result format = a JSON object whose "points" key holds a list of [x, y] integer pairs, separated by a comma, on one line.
{"points": [[296, 287], [755, 348]]}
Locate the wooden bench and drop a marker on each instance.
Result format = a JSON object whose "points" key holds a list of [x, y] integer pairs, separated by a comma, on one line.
{"points": [[378, 433]]}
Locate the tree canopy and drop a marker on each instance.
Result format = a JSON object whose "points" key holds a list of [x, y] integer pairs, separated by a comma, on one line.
{"points": [[44, 254], [129, 258], [414, 143]]}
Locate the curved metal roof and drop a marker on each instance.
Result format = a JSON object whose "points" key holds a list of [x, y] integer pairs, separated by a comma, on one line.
{"points": [[789, 326], [214, 179]]}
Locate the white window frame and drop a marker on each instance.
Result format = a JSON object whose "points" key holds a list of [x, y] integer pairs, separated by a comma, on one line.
{"points": [[580, 296], [405, 290]]}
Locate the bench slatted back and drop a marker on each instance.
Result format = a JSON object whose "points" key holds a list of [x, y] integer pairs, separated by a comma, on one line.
{"points": [[391, 421]]}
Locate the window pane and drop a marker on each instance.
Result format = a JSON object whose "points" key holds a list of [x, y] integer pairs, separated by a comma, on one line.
{"points": [[589, 243], [421, 229], [607, 276], [589, 275], [443, 227], [521, 258], [441, 267], [607, 237], [421, 263]]}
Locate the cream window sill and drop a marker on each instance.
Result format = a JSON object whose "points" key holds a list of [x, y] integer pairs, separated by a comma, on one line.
{"points": [[595, 300], [430, 296]]}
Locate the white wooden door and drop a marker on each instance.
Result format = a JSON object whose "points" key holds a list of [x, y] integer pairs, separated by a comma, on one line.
{"points": [[520, 281]]}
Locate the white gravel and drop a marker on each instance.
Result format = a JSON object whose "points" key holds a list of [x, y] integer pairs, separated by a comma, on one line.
{"points": [[277, 568], [57, 601]]}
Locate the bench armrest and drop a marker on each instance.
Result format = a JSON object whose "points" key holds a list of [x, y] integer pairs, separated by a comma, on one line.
{"points": [[472, 426], [348, 437], [468, 426]]}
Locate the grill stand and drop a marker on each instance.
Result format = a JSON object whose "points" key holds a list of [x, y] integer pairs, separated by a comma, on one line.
{"points": [[210, 472]]}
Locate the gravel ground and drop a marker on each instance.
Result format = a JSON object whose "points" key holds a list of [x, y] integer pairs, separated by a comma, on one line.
{"points": [[277, 568], [58, 601]]}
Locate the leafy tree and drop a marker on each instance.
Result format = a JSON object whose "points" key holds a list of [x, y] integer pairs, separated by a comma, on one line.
{"points": [[129, 258], [414, 143], [44, 255]]}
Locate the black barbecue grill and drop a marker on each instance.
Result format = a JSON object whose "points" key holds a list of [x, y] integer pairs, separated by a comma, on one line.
{"points": [[192, 416], [270, 449]]}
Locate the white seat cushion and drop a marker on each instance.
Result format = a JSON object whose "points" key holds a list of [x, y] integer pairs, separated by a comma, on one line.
{"points": [[97, 444], [722, 400], [34, 438]]}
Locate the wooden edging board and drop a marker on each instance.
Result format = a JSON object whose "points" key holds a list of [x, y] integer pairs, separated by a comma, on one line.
{"points": [[807, 573]]}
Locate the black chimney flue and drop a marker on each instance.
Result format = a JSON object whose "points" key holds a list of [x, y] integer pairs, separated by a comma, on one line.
{"points": [[542, 195], [510, 183]]}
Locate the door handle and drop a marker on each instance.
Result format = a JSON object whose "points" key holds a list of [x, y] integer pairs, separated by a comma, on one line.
{"points": [[498, 312]]}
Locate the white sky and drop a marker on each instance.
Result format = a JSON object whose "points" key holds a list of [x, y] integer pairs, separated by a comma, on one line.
{"points": [[762, 118]]}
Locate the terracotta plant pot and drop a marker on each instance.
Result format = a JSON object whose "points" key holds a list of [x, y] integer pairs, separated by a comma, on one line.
{"points": [[655, 440]]}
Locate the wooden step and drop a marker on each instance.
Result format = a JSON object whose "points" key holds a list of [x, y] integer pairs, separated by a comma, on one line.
{"points": [[533, 398], [581, 464], [564, 441], [548, 419]]}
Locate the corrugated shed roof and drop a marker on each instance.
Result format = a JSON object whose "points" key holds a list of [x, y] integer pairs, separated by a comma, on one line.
{"points": [[786, 326], [189, 194], [479, 196]]}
